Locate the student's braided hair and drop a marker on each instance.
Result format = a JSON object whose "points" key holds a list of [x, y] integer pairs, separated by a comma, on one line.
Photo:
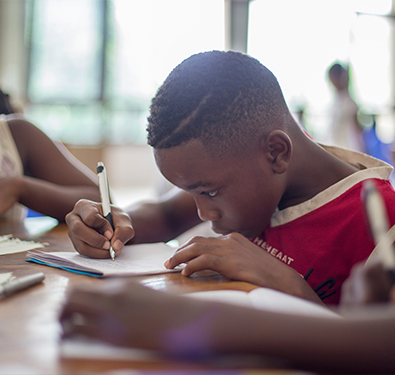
{"points": [[223, 98]]}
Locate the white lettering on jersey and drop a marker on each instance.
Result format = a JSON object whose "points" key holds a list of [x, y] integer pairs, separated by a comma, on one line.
{"points": [[273, 251]]}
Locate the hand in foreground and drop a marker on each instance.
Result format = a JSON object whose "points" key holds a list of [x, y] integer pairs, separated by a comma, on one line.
{"points": [[367, 285], [237, 258], [129, 314], [92, 235]]}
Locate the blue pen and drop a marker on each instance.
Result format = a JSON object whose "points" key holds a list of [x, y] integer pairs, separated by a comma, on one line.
{"points": [[105, 198]]}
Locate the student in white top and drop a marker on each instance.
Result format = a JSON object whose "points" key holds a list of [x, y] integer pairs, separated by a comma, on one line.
{"points": [[37, 173]]}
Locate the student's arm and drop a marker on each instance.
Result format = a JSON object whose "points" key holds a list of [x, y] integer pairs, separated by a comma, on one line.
{"points": [[237, 258], [158, 221], [53, 179], [165, 219], [140, 317]]}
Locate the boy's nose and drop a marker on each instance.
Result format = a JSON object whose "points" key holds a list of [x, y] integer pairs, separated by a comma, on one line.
{"points": [[207, 213]]}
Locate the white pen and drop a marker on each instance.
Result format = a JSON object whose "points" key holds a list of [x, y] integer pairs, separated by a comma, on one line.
{"points": [[20, 283], [105, 198], [379, 224]]}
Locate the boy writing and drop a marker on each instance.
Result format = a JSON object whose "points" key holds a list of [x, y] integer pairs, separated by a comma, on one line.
{"points": [[288, 211]]}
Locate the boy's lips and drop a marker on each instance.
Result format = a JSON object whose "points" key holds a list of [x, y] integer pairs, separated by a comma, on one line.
{"points": [[220, 231], [223, 231]]}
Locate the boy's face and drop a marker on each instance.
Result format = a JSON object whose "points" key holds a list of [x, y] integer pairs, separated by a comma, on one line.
{"points": [[237, 194]]}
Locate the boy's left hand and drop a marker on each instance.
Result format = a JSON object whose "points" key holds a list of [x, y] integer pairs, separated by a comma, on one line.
{"points": [[237, 258]]}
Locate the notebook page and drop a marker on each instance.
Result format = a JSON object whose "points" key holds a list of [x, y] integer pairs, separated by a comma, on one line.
{"points": [[134, 260]]}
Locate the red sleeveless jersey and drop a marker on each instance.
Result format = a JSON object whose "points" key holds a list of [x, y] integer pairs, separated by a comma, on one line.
{"points": [[323, 238]]}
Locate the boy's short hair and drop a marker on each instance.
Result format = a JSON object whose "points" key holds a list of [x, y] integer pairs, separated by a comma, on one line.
{"points": [[224, 99]]}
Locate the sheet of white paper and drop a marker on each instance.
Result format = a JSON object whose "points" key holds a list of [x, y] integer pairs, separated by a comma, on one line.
{"points": [[134, 260], [237, 297], [5, 277], [9, 245], [266, 299], [92, 349], [273, 300], [14, 368], [89, 349]]}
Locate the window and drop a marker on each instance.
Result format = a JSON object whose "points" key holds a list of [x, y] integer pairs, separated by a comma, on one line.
{"points": [[299, 40], [96, 64]]}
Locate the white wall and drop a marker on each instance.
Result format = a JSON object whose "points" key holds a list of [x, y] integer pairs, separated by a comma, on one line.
{"points": [[132, 173], [13, 52], [131, 166]]}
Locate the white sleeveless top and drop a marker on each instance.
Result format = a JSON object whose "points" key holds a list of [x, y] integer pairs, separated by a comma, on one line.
{"points": [[10, 165]]}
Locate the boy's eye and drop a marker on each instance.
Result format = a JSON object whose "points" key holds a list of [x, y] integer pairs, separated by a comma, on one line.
{"points": [[211, 194]]}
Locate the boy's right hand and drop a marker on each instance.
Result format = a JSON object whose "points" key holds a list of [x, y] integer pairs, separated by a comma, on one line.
{"points": [[92, 235]]}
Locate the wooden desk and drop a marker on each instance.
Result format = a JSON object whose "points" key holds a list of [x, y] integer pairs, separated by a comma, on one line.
{"points": [[30, 331]]}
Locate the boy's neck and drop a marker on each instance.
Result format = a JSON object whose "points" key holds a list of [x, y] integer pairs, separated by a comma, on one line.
{"points": [[312, 170]]}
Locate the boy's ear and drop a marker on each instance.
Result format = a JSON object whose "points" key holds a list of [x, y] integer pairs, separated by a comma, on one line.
{"points": [[277, 149]]}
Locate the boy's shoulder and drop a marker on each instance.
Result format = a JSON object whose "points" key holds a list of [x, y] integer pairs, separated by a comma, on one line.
{"points": [[344, 193], [360, 160]]}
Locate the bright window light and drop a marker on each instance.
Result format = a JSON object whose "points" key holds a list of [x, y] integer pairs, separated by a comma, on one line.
{"points": [[299, 40], [95, 64]]}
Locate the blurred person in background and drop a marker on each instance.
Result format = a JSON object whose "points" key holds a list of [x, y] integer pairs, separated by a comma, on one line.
{"points": [[344, 130]]}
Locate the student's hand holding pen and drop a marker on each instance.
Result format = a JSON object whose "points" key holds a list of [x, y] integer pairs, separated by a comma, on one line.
{"points": [[373, 281], [367, 285], [92, 235]]}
